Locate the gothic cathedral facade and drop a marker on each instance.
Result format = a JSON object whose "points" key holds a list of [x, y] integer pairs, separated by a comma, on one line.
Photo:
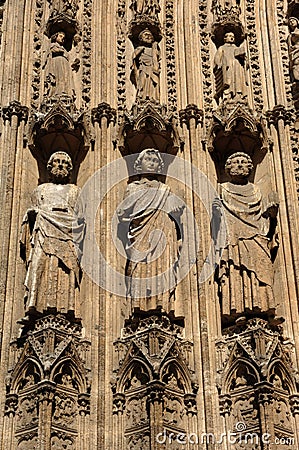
{"points": [[149, 282]]}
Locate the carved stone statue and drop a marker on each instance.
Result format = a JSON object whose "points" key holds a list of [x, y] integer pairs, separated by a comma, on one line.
{"points": [[152, 243], [245, 273], [69, 7], [145, 74], [147, 7], [293, 44], [59, 77], [52, 234], [229, 68]]}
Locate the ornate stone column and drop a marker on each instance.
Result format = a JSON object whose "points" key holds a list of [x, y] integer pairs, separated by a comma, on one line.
{"points": [[225, 403], [265, 401], [294, 404], [155, 401], [9, 428]]}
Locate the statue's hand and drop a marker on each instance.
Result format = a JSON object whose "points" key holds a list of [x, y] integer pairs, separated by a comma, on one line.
{"points": [[272, 209], [217, 205]]}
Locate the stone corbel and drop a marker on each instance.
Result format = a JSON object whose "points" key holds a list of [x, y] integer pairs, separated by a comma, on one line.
{"points": [[190, 404], [225, 404], [294, 404], [46, 391], [11, 404], [119, 403], [84, 404], [155, 392], [265, 393]]}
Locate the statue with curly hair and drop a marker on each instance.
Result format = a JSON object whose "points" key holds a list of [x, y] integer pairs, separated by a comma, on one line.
{"points": [[245, 273], [52, 236], [145, 70], [151, 215]]}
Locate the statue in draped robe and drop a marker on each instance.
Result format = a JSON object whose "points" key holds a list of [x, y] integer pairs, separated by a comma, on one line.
{"points": [[293, 44], [148, 7], [229, 68], [59, 77], [145, 74], [52, 236], [152, 215], [245, 275]]}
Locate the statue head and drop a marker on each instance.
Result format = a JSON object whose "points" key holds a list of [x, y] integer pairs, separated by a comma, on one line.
{"points": [[149, 161], [229, 37], [58, 37], [239, 165], [60, 167], [293, 23], [146, 36]]}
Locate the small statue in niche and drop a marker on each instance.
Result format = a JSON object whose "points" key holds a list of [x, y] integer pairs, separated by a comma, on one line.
{"points": [[230, 69], [293, 44], [245, 273], [145, 74], [147, 7], [52, 236], [59, 77], [277, 383], [152, 215]]}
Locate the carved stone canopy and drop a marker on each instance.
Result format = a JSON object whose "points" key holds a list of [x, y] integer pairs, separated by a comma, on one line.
{"points": [[148, 126], [226, 19], [140, 23], [293, 8], [63, 22], [236, 130], [59, 129]]}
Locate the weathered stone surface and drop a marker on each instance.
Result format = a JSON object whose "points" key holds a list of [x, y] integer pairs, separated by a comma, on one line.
{"points": [[218, 352]]}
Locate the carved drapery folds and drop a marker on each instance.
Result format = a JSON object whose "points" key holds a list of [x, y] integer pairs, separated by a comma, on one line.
{"points": [[59, 117], [150, 222], [148, 123], [145, 34], [293, 47], [230, 65], [51, 242], [61, 59], [256, 381], [154, 388], [61, 70], [46, 385], [245, 274]]}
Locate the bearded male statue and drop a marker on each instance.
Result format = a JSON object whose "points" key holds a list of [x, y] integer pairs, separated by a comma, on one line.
{"points": [[52, 237]]}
